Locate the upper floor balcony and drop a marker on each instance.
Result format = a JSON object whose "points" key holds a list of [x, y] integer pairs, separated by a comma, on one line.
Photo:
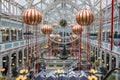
{"points": [[106, 46], [20, 43]]}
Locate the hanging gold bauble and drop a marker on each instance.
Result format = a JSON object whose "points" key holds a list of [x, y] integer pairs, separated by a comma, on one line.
{"points": [[32, 17], [84, 17], [77, 29], [46, 29]]}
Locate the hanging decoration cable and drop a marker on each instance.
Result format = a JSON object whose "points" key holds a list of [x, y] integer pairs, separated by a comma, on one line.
{"points": [[80, 59], [88, 47], [28, 38], [37, 51], [100, 27], [112, 26], [77, 29], [32, 17]]}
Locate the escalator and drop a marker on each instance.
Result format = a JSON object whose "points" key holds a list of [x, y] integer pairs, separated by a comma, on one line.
{"points": [[114, 74], [71, 66]]}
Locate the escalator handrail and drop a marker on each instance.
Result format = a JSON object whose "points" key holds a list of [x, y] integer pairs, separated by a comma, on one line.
{"points": [[109, 73]]}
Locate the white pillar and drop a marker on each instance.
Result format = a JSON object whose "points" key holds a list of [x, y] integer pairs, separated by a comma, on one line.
{"points": [[104, 59], [110, 61], [105, 36], [17, 58], [22, 34], [22, 56], [10, 37], [10, 61], [17, 34], [100, 58], [117, 61], [1, 64]]}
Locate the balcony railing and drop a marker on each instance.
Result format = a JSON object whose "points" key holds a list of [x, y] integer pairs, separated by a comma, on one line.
{"points": [[17, 44], [106, 46]]}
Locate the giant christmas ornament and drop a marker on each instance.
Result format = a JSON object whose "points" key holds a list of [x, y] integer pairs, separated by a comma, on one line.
{"points": [[32, 17], [77, 29], [84, 17], [46, 29]]}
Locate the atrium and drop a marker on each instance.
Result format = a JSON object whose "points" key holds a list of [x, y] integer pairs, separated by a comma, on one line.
{"points": [[59, 39]]}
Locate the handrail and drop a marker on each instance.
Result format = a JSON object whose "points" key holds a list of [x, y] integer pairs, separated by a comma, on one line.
{"points": [[109, 73]]}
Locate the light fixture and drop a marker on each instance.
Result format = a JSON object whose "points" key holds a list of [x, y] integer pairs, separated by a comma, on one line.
{"points": [[112, 58], [24, 57], [13, 64], [4, 60], [102, 60], [20, 60]]}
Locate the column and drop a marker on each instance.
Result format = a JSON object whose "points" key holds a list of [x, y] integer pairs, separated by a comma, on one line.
{"points": [[104, 59], [117, 61], [10, 37], [10, 61], [0, 6], [117, 66], [27, 53], [105, 36], [110, 61], [31, 50], [17, 57], [100, 58], [22, 56], [17, 34], [1, 64], [97, 53], [23, 30]]}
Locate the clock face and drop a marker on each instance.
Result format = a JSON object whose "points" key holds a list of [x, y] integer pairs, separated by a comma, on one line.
{"points": [[63, 23]]}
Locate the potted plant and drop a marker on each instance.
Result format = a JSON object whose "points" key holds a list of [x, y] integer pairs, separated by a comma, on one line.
{"points": [[14, 72]]}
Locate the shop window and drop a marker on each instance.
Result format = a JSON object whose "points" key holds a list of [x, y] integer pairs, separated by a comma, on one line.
{"points": [[20, 34], [5, 62], [20, 57], [5, 34], [13, 34]]}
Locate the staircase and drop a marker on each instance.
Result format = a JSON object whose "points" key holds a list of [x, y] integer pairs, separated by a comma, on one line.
{"points": [[71, 66]]}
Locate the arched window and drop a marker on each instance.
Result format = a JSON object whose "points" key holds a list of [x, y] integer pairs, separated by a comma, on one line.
{"points": [[5, 34], [13, 34], [20, 34]]}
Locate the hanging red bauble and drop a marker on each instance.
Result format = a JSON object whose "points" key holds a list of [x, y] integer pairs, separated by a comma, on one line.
{"points": [[32, 17], [46, 29], [84, 17], [77, 29]]}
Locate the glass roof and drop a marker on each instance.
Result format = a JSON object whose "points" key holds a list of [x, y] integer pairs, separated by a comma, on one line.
{"points": [[62, 8]]}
